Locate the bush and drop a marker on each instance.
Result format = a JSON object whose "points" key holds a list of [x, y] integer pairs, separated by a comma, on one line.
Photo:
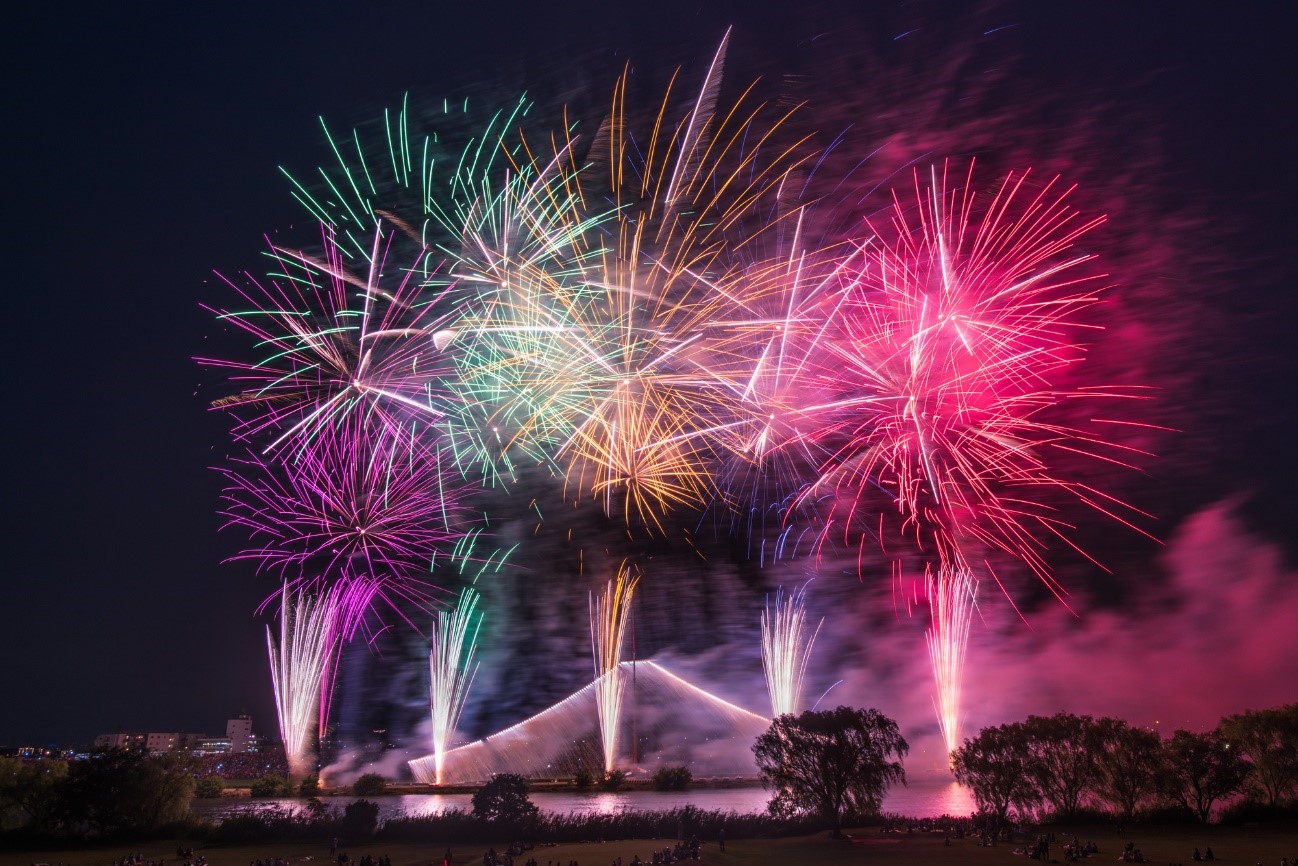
{"points": [[370, 785], [309, 788], [360, 820], [613, 780], [1251, 811], [209, 787], [582, 779], [504, 799], [673, 779], [271, 785]]}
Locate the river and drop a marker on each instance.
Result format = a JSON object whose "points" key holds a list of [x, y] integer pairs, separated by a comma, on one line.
{"points": [[923, 798]]}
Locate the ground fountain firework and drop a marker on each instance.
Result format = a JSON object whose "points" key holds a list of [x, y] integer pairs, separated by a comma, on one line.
{"points": [[786, 649], [609, 613], [450, 660]]}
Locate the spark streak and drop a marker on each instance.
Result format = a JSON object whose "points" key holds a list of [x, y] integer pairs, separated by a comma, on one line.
{"points": [[608, 619]]}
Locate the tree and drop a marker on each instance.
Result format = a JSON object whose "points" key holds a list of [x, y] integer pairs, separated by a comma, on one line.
{"points": [[504, 799], [271, 785], [121, 791], [1062, 758], [995, 766], [1201, 769], [209, 787], [673, 779], [831, 762], [30, 788], [1269, 740], [370, 785], [1130, 764], [360, 820]]}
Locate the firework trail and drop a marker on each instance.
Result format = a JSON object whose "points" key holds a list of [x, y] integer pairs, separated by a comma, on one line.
{"points": [[608, 619], [786, 648], [952, 595], [451, 664], [300, 662]]}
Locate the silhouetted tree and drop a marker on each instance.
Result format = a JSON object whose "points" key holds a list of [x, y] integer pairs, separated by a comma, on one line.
{"points": [[504, 799], [831, 762], [360, 820], [1130, 765], [30, 788], [1269, 740], [370, 785], [995, 765], [1200, 769], [1062, 758], [121, 791]]}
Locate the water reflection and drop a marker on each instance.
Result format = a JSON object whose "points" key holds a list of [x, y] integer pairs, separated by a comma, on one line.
{"points": [[923, 798]]}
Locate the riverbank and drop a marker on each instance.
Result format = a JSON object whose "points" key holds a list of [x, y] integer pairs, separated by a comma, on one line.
{"points": [[1162, 844]]}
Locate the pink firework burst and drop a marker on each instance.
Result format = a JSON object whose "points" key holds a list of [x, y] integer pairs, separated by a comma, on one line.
{"points": [[951, 329]]}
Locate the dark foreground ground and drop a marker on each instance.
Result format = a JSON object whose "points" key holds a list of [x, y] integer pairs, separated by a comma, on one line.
{"points": [[1161, 845]]}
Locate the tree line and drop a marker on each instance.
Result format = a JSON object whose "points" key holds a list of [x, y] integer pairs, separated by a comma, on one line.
{"points": [[1065, 763], [829, 766]]}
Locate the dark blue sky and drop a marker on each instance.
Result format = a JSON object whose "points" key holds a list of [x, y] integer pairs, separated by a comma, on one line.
{"points": [[144, 141]]}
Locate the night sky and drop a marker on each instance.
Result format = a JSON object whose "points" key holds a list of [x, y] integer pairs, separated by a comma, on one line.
{"points": [[144, 144]]}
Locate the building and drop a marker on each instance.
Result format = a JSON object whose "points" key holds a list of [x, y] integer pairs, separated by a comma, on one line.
{"points": [[121, 740], [239, 733], [238, 739], [212, 746]]}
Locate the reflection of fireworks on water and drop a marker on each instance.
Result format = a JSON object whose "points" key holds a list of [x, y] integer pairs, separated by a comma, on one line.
{"points": [[451, 665], [786, 648], [299, 667], [608, 618]]}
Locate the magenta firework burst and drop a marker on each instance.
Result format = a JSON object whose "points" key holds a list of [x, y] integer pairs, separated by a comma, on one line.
{"points": [[368, 499], [955, 322]]}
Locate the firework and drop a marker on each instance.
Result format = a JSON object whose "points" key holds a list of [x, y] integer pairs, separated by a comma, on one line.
{"points": [[601, 367], [608, 620], [336, 345], [950, 332], [945, 349], [786, 648], [366, 500], [451, 664], [300, 662], [952, 594]]}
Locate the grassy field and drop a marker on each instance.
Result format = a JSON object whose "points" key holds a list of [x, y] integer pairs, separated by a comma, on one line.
{"points": [[1161, 845]]}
